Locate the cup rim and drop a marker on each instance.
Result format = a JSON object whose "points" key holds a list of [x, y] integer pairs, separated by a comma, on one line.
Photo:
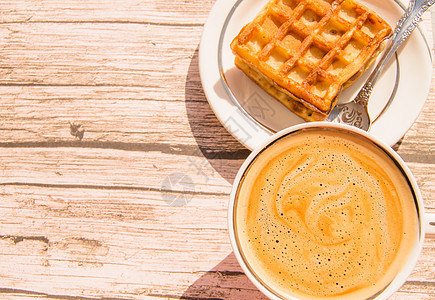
{"points": [[407, 268]]}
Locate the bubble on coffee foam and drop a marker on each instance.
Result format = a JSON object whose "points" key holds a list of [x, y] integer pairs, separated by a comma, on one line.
{"points": [[328, 212]]}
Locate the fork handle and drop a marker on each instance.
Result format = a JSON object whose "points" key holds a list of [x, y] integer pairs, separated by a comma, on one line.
{"points": [[405, 26]]}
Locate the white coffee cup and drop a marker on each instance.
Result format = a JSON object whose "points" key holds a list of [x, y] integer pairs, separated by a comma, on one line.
{"points": [[426, 222]]}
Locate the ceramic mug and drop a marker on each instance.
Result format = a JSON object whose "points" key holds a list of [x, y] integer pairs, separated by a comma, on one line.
{"points": [[265, 274]]}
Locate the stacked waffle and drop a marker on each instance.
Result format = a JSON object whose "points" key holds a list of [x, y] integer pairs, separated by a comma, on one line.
{"points": [[304, 52]]}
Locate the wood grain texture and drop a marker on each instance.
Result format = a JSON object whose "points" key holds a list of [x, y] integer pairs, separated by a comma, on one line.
{"points": [[95, 217]]}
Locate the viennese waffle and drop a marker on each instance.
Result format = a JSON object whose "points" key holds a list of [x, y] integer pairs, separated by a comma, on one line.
{"points": [[304, 52]]}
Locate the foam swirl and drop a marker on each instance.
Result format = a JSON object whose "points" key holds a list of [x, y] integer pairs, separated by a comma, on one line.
{"points": [[324, 216]]}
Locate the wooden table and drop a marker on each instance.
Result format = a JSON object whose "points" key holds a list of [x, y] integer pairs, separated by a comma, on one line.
{"points": [[102, 113]]}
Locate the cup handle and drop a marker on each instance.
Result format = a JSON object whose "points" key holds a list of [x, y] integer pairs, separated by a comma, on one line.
{"points": [[430, 225]]}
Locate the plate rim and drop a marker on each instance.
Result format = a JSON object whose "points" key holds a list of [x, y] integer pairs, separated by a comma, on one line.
{"points": [[219, 17]]}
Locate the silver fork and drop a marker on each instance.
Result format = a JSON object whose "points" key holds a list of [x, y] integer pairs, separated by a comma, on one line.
{"points": [[355, 113]]}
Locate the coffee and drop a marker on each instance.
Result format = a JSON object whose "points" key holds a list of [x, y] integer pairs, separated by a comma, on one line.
{"points": [[324, 213]]}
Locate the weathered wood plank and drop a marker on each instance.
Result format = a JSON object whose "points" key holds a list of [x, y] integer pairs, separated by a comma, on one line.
{"points": [[108, 114], [107, 168], [96, 54], [116, 11]]}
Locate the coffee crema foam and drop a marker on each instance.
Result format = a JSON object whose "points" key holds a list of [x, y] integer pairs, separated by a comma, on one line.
{"points": [[323, 213]]}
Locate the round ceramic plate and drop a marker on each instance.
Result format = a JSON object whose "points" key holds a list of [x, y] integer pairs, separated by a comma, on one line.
{"points": [[252, 115]]}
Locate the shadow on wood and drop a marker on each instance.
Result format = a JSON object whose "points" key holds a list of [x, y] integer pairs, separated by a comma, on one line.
{"points": [[214, 141], [224, 282]]}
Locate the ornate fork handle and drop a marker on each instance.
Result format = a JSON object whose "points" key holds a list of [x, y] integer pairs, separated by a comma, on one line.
{"points": [[407, 23]]}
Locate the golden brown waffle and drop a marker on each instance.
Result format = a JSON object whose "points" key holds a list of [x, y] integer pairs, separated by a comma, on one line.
{"points": [[303, 52]]}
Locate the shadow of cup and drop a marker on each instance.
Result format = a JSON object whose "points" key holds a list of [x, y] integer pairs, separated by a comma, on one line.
{"points": [[225, 281]]}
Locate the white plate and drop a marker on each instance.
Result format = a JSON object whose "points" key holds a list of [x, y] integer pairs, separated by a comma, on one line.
{"points": [[251, 115]]}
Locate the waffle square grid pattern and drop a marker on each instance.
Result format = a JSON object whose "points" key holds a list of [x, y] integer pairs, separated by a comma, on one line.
{"points": [[303, 52]]}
